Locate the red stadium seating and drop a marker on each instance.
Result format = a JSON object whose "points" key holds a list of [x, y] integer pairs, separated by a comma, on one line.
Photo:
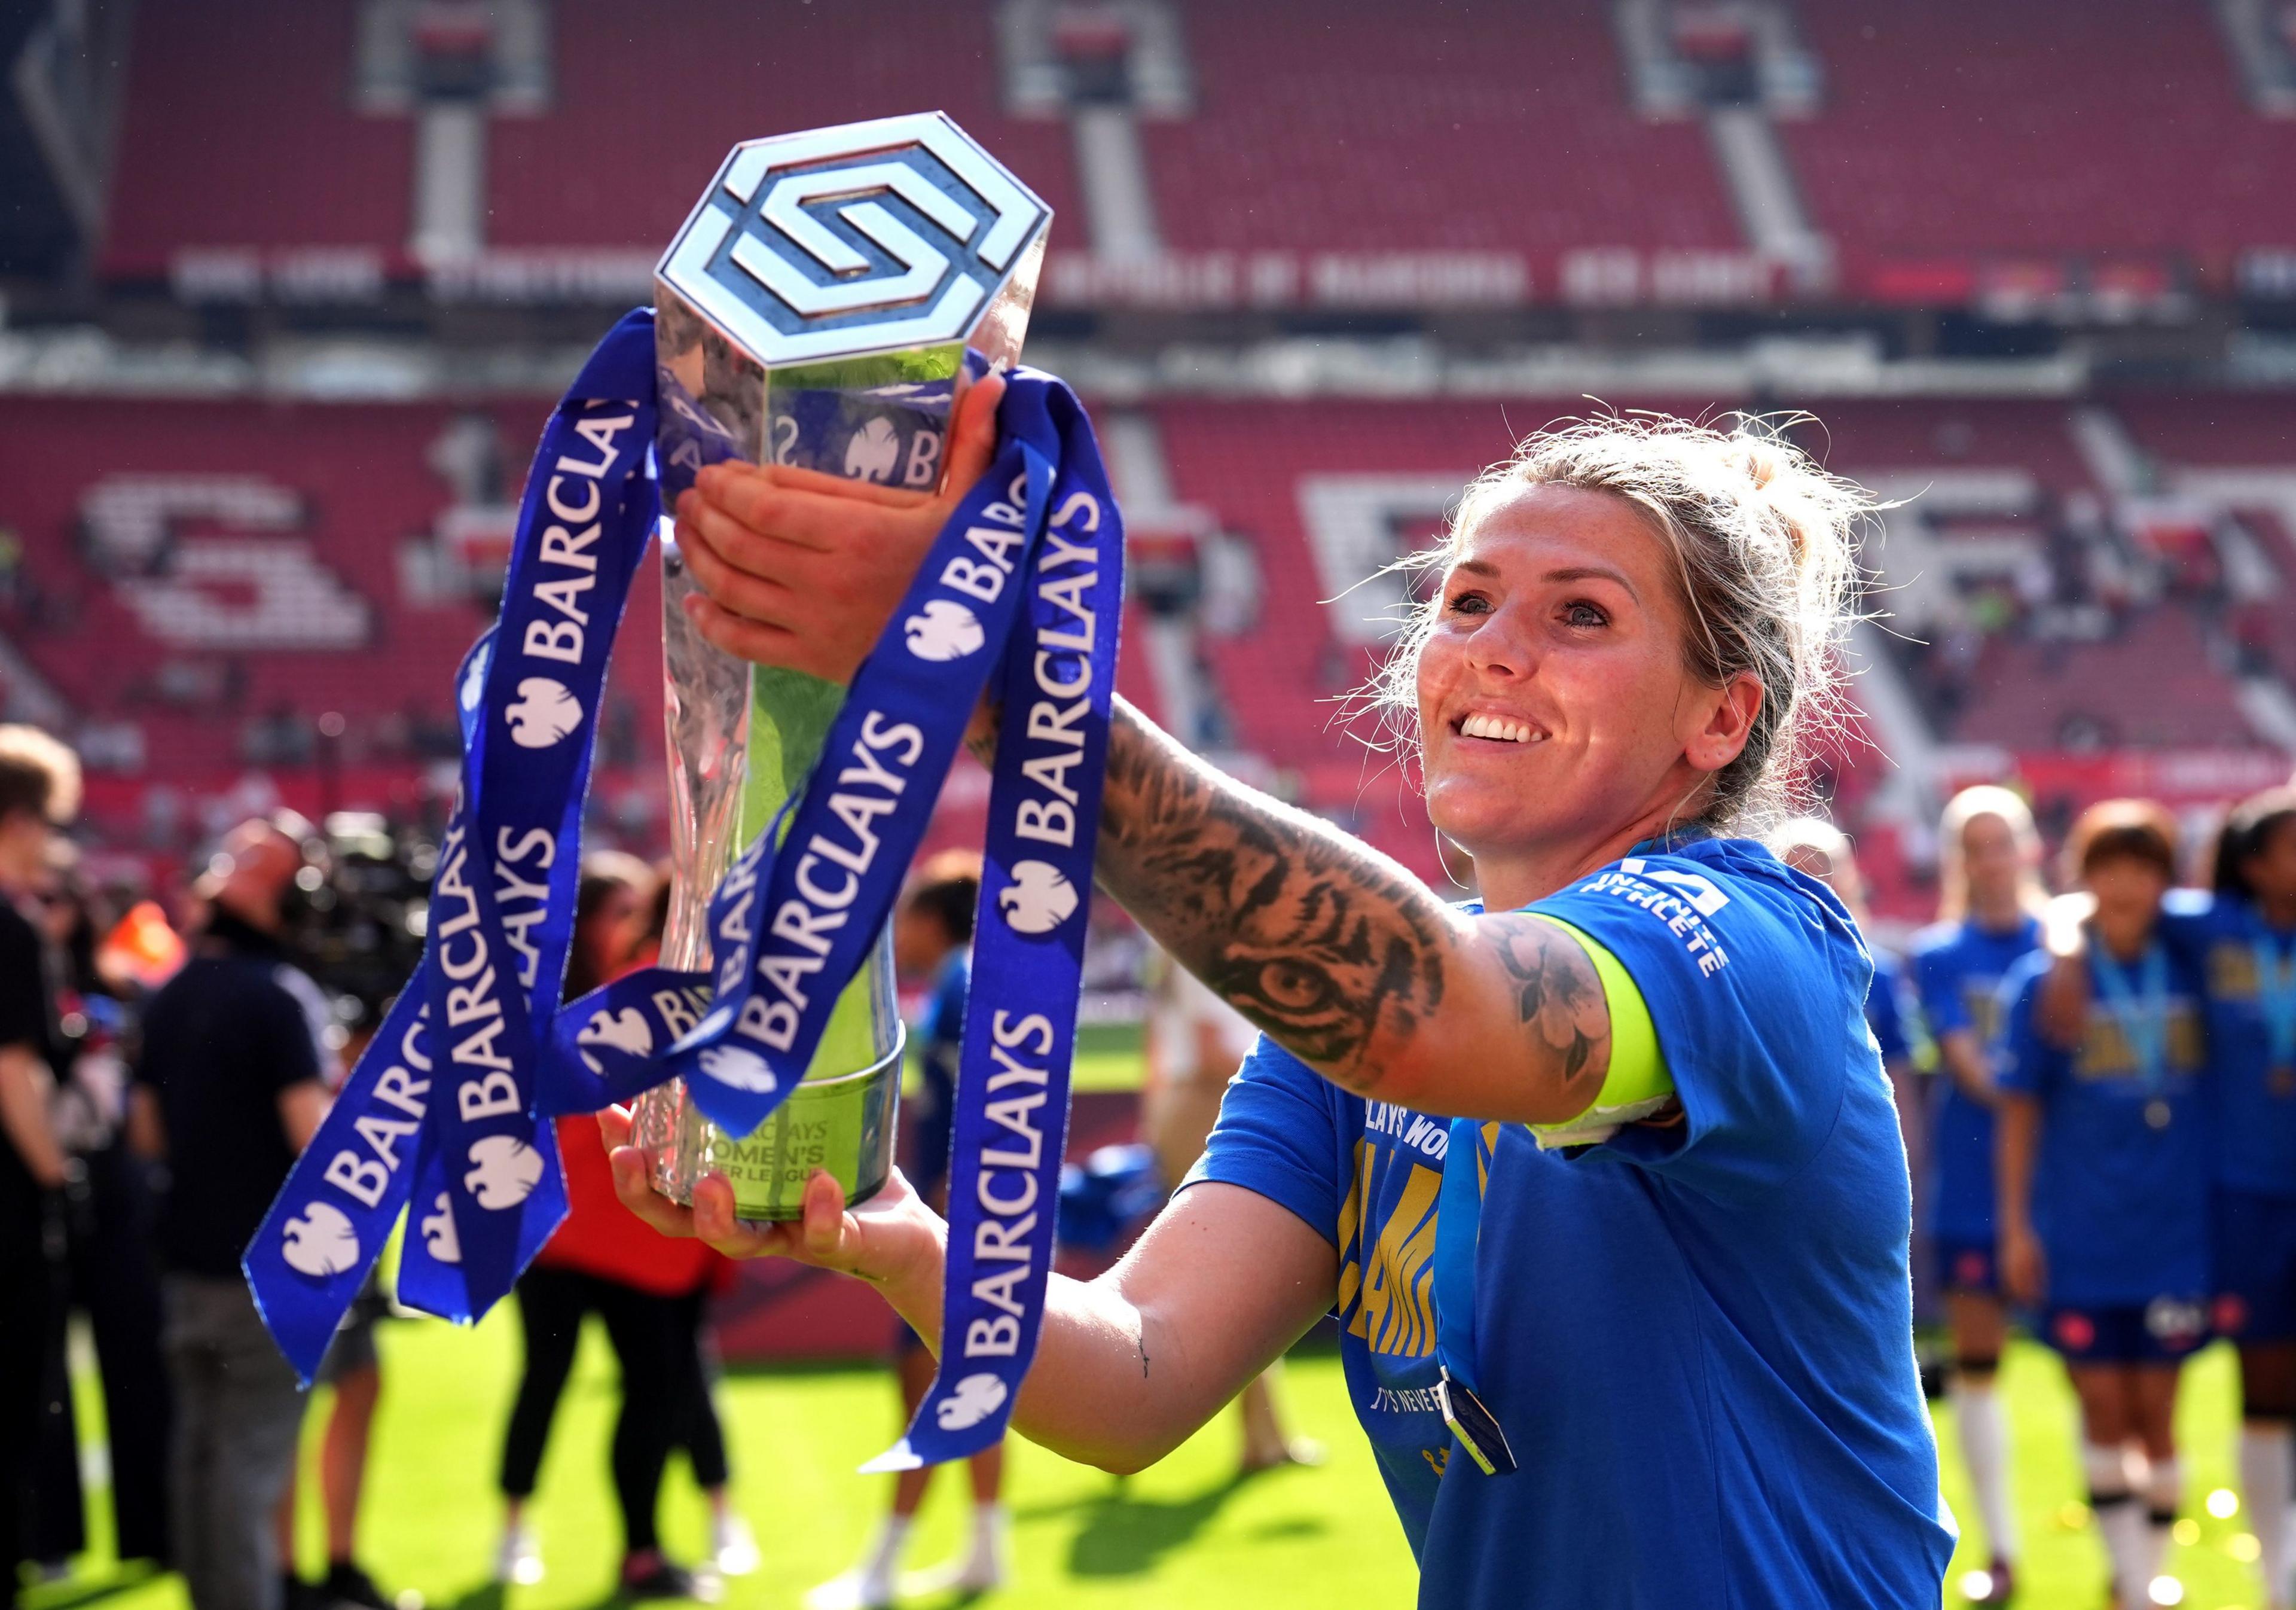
{"points": [[357, 487], [2026, 694], [1345, 126], [647, 106], [189, 571], [1960, 127], [206, 157], [616, 161], [1953, 140], [2239, 449], [2029, 696], [1253, 465], [1854, 437]]}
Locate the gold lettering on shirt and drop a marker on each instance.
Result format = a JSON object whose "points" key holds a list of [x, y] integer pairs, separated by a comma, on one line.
{"points": [[2232, 971], [1387, 1297], [2106, 1052]]}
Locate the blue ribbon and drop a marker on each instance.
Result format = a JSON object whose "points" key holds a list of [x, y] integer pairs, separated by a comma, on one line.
{"points": [[796, 917], [445, 1106], [1028, 576], [1011, 1122], [2142, 1010], [448, 1106]]}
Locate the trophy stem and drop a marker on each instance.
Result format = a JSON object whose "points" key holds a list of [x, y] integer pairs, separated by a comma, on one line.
{"points": [[824, 306], [742, 740]]}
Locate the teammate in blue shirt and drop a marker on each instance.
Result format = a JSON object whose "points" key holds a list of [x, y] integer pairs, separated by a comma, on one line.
{"points": [[1658, 1353], [1989, 891], [1815, 845], [2245, 943], [2104, 1166]]}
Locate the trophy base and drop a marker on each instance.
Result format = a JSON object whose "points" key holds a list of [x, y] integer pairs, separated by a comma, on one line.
{"points": [[846, 1126]]}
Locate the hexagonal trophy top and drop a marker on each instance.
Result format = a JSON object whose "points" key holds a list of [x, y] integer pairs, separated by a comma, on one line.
{"points": [[893, 233]]}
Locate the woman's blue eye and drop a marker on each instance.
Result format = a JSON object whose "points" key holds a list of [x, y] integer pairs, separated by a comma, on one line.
{"points": [[1582, 613], [1470, 603]]}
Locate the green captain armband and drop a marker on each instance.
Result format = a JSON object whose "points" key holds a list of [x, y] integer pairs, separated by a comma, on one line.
{"points": [[1638, 1083]]}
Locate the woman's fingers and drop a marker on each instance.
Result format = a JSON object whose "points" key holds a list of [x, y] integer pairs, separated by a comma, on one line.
{"points": [[705, 536], [633, 1171], [972, 437], [830, 1234], [820, 512], [614, 1127], [801, 570], [715, 1222], [747, 639], [839, 621]]}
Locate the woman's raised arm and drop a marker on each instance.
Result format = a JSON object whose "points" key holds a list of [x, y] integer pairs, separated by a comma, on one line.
{"points": [[1339, 954]]}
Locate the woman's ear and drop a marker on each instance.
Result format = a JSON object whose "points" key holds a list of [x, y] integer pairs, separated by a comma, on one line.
{"points": [[1730, 715]]}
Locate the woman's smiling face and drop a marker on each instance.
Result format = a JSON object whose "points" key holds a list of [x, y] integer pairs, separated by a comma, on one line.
{"points": [[1556, 701]]}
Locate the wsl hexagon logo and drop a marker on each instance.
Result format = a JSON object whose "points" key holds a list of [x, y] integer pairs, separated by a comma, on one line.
{"points": [[867, 237]]}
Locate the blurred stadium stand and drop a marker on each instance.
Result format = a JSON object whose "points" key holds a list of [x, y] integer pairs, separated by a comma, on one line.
{"points": [[1961, 128], [289, 287]]}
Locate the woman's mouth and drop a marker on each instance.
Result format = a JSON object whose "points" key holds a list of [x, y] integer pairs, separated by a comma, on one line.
{"points": [[1499, 729]]}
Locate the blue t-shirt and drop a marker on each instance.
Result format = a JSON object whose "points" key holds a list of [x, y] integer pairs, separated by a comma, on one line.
{"points": [[2121, 1204], [1697, 1336], [2254, 1101], [1888, 1010], [1958, 968], [940, 1045]]}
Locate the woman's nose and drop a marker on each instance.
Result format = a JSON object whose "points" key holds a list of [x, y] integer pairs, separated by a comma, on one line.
{"points": [[1503, 645]]}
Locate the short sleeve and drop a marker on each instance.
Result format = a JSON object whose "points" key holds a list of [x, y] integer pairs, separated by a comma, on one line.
{"points": [[2022, 1061], [1757, 987], [1277, 1137], [1938, 983], [23, 986]]}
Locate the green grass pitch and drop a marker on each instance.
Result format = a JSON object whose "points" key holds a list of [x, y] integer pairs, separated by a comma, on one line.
{"points": [[1184, 1533]]}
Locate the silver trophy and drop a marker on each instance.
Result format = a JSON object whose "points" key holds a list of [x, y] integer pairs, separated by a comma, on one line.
{"points": [[825, 306]]}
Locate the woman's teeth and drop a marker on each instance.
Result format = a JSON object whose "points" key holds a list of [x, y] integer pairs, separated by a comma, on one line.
{"points": [[1498, 728]]}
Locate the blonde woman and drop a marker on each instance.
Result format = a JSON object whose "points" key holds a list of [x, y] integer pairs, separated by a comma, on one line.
{"points": [[1691, 1322], [1989, 901]]}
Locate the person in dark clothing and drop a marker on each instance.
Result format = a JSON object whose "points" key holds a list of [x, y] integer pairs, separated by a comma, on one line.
{"points": [[651, 1305], [39, 787], [231, 1087], [110, 1274]]}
